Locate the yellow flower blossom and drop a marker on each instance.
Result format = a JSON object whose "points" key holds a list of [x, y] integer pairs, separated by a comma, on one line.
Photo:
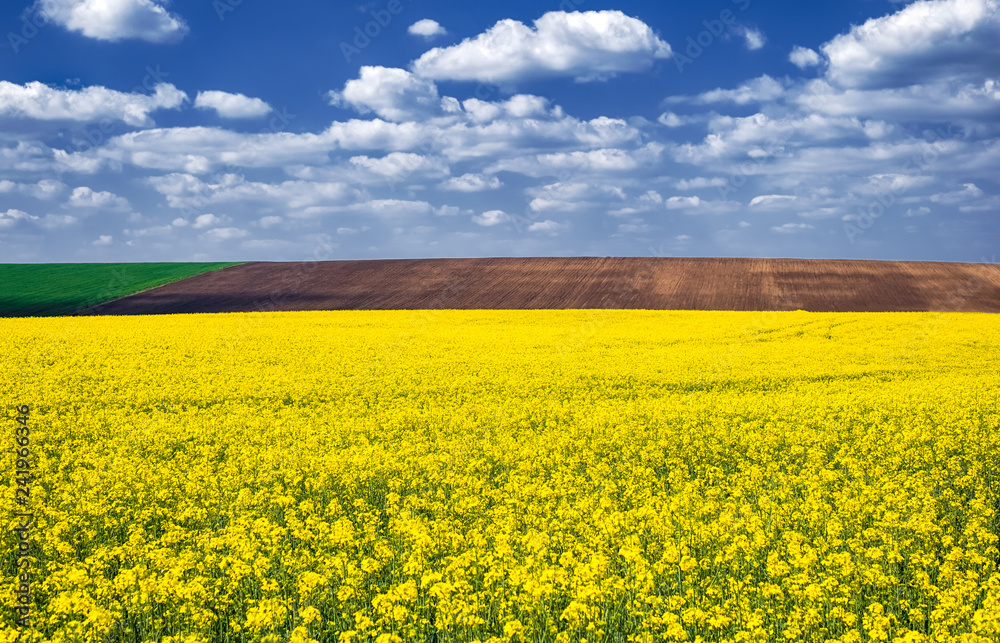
{"points": [[402, 476]]}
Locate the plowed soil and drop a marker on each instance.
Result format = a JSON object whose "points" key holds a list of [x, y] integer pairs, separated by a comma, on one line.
{"points": [[578, 282]]}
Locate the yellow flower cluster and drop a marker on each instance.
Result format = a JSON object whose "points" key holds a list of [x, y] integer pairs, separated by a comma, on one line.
{"points": [[631, 476]]}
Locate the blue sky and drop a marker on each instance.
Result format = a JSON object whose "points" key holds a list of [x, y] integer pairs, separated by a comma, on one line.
{"points": [[142, 130]]}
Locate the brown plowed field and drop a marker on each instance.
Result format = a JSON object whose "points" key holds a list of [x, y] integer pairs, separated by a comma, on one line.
{"points": [[578, 282]]}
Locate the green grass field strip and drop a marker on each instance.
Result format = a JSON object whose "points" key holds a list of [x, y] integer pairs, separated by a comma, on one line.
{"points": [[45, 290]]}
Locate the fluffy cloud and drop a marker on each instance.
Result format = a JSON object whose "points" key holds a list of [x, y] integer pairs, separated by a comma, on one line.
{"points": [[633, 228], [445, 128], [803, 57], [694, 205], [38, 101], [585, 45], [591, 161], [758, 90], [206, 221], [863, 160], [521, 124], [682, 202], [393, 94], [84, 197], [939, 101], [398, 165], [754, 39], [491, 218], [771, 200], [427, 28], [569, 197], [792, 228], [44, 189], [969, 191], [115, 20], [761, 137], [471, 183], [387, 170], [700, 183], [548, 226], [231, 105], [669, 119], [651, 200], [189, 192], [392, 207], [26, 156], [880, 184], [934, 60], [217, 235], [449, 211], [56, 221], [387, 209], [927, 40], [200, 149], [11, 217], [152, 231]]}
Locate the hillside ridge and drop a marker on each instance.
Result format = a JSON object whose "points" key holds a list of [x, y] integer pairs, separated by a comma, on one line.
{"points": [[654, 283]]}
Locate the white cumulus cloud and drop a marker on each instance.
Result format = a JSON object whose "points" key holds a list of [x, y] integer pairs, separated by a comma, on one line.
{"points": [[766, 200], [394, 94], [754, 39], [757, 90], [584, 45], [548, 226], [231, 105], [471, 183], [206, 221], [39, 101], [682, 202], [187, 191], [491, 218], [792, 228], [44, 189], [803, 57], [427, 28], [926, 40], [115, 20], [10, 218], [397, 165], [223, 234], [85, 197]]}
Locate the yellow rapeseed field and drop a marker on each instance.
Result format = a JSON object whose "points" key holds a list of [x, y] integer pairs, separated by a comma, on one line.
{"points": [[507, 476]]}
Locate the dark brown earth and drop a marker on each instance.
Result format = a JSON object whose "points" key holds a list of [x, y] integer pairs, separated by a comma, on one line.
{"points": [[578, 282]]}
